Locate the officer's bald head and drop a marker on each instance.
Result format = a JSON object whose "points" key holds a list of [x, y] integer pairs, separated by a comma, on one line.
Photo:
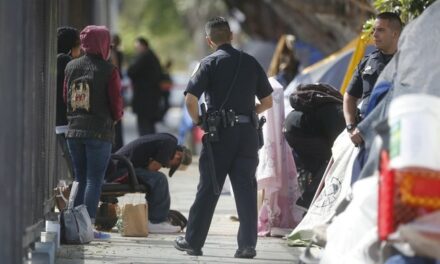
{"points": [[218, 30]]}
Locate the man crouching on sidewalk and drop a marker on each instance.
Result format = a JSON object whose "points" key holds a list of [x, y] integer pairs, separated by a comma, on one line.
{"points": [[149, 154]]}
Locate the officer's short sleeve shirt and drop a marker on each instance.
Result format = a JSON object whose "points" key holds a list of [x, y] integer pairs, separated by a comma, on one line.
{"points": [[365, 76], [230, 79]]}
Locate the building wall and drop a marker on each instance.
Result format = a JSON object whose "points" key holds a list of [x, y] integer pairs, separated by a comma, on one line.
{"points": [[30, 161], [80, 13], [27, 113]]}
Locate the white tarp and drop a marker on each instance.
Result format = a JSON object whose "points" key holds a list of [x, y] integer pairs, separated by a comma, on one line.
{"points": [[336, 187], [353, 232]]}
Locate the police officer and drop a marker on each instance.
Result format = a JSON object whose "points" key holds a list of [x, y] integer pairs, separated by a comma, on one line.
{"points": [[230, 80], [387, 28]]}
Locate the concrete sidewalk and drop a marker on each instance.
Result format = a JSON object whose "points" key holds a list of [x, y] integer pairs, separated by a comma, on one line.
{"points": [[219, 248]]}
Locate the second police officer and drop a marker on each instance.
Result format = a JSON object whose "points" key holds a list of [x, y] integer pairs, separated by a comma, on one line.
{"points": [[231, 80], [386, 32]]}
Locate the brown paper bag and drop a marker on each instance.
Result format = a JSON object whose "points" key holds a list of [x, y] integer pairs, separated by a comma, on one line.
{"points": [[134, 220], [62, 194]]}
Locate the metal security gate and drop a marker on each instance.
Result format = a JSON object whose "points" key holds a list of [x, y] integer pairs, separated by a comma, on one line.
{"points": [[30, 159], [27, 113]]}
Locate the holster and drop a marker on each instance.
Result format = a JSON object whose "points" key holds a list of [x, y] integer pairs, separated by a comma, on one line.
{"points": [[210, 124], [261, 123]]}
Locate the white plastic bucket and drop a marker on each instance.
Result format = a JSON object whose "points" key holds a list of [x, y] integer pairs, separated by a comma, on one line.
{"points": [[414, 122]]}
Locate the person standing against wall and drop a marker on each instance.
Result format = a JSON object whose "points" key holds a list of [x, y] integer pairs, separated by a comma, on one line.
{"points": [[92, 92], [68, 48]]}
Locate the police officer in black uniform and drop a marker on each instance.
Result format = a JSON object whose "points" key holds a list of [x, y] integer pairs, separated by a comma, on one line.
{"points": [[230, 80], [387, 28]]}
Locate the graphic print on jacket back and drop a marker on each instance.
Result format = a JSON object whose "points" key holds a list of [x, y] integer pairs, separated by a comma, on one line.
{"points": [[80, 95]]}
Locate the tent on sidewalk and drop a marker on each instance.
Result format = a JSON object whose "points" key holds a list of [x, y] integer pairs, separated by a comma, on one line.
{"points": [[414, 69]]}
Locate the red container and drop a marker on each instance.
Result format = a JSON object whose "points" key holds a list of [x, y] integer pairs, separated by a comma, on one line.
{"points": [[386, 198]]}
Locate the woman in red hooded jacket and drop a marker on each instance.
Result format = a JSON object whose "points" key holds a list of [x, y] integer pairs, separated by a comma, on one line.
{"points": [[92, 94]]}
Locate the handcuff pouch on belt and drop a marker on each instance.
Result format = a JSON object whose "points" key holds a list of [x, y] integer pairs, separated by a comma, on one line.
{"points": [[212, 121]]}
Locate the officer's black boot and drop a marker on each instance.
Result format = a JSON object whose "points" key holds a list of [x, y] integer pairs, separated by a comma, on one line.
{"points": [[181, 244], [245, 253]]}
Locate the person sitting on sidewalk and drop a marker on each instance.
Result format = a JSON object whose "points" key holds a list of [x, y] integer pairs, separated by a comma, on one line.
{"points": [[149, 154]]}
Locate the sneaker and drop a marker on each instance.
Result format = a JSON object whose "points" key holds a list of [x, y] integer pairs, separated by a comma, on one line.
{"points": [[163, 228], [101, 235]]}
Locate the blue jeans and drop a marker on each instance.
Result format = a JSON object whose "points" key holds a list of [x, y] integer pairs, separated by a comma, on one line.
{"points": [[90, 158], [158, 196]]}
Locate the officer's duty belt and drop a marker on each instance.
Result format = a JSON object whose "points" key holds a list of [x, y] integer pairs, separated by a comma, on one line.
{"points": [[242, 119]]}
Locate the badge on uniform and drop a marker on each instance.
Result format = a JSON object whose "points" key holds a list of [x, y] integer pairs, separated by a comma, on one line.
{"points": [[368, 70]]}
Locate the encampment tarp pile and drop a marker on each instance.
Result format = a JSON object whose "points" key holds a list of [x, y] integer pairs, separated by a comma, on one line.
{"points": [[352, 236]]}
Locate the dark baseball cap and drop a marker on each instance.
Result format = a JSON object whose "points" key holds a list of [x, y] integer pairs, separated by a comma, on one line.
{"points": [[184, 162]]}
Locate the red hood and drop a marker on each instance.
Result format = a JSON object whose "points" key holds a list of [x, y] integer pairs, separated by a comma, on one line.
{"points": [[96, 40]]}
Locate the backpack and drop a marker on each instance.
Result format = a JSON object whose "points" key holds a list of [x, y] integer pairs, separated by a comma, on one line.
{"points": [[309, 96]]}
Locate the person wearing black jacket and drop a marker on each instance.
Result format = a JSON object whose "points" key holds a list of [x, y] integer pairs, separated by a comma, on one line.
{"points": [[68, 49], [149, 154], [145, 74], [231, 81], [310, 129], [117, 58]]}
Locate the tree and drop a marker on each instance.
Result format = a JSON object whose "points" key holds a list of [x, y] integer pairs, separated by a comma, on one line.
{"points": [[173, 27], [407, 10], [327, 24], [160, 22]]}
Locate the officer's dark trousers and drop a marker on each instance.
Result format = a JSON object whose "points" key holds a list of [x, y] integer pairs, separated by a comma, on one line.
{"points": [[235, 154]]}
